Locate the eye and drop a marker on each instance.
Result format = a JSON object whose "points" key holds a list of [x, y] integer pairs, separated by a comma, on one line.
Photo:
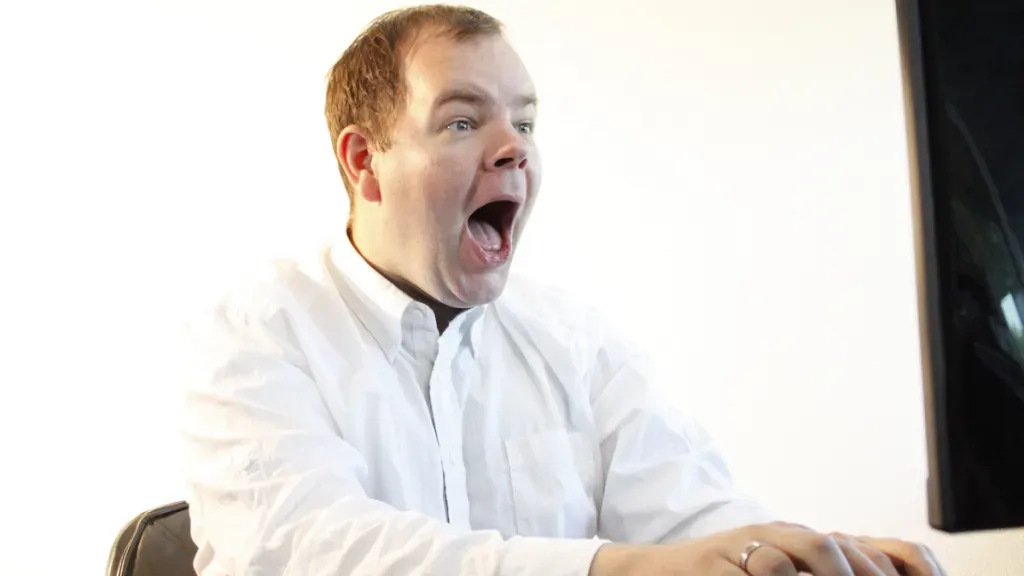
{"points": [[525, 127], [462, 125]]}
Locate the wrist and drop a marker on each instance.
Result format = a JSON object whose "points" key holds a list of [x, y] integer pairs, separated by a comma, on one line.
{"points": [[622, 560]]}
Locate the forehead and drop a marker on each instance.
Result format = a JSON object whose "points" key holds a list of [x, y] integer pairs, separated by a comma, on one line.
{"points": [[436, 63]]}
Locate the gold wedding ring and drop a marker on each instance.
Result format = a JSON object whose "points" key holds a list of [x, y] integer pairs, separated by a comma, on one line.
{"points": [[745, 556]]}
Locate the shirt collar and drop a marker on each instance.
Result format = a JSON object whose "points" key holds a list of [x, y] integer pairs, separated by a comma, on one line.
{"points": [[469, 326], [377, 302], [380, 305]]}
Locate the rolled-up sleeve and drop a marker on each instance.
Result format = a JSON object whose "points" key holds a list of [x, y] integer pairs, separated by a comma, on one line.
{"points": [[275, 489], [665, 480]]}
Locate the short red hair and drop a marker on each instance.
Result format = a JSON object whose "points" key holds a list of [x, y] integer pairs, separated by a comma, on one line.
{"points": [[366, 87]]}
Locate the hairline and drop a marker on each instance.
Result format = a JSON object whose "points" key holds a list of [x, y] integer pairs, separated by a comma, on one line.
{"points": [[406, 48]]}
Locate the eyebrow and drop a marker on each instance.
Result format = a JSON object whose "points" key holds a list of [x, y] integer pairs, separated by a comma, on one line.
{"points": [[476, 97]]}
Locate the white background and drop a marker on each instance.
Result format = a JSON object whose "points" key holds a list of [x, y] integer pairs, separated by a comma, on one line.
{"points": [[728, 179]]}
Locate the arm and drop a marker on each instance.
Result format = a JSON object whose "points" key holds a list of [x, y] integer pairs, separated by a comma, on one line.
{"points": [[274, 488], [665, 479], [666, 483]]}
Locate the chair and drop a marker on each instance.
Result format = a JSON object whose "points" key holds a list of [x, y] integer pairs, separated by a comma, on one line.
{"points": [[157, 542]]}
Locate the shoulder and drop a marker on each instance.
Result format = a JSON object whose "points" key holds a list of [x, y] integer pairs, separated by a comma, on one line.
{"points": [[262, 297], [260, 289], [571, 319], [545, 306]]}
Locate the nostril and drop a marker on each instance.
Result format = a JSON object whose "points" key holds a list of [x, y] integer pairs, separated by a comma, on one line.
{"points": [[502, 162]]}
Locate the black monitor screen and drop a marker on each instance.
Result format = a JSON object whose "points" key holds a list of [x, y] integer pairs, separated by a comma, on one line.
{"points": [[964, 71]]}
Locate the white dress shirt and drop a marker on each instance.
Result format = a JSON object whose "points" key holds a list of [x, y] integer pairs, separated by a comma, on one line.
{"points": [[330, 430]]}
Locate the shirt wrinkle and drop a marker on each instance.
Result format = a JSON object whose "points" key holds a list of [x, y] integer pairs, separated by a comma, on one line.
{"points": [[512, 443]]}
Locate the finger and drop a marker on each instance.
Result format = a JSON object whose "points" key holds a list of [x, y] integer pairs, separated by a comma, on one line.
{"points": [[877, 557], [935, 560], [810, 551], [863, 564], [913, 559], [770, 561], [726, 567]]}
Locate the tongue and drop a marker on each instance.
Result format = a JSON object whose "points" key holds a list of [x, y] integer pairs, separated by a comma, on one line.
{"points": [[485, 235]]}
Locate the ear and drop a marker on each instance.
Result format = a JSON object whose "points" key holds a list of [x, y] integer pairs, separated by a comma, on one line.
{"points": [[355, 155]]}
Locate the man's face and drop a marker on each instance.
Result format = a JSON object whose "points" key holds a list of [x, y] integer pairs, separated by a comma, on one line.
{"points": [[458, 183]]}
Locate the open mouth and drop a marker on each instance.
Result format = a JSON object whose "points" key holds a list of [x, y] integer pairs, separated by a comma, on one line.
{"points": [[491, 225]]}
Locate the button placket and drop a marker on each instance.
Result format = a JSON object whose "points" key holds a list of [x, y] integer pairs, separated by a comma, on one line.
{"points": [[448, 429]]}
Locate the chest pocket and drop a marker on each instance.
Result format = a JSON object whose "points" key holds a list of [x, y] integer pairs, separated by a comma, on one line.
{"points": [[553, 476]]}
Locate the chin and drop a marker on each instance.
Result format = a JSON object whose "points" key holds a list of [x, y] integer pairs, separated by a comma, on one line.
{"points": [[480, 289]]}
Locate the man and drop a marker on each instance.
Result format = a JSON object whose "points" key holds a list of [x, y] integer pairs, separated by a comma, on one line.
{"points": [[395, 408]]}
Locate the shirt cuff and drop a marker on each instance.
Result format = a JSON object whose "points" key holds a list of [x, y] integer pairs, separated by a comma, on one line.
{"points": [[549, 556]]}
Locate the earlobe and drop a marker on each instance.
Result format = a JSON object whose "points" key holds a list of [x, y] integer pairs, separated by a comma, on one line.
{"points": [[356, 158]]}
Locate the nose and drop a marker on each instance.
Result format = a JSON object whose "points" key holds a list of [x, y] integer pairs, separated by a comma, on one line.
{"points": [[510, 153]]}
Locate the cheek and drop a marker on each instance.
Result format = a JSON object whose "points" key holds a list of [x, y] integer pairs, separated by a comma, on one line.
{"points": [[533, 181], [448, 182], [534, 170], [430, 187], [420, 186]]}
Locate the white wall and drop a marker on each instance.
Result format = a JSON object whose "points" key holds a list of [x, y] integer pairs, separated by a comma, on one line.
{"points": [[732, 175]]}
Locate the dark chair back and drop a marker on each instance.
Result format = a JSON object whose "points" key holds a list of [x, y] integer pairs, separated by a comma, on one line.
{"points": [[157, 542]]}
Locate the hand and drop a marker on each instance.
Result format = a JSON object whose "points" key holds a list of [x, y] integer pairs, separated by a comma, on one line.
{"points": [[785, 550], [907, 558]]}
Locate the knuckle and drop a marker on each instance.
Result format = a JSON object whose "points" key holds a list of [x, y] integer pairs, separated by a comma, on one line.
{"points": [[758, 531], [824, 544], [875, 555], [878, 558], [919, 550]]}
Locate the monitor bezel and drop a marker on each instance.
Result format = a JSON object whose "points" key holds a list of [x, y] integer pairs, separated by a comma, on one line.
{"points": [[941, 496]]}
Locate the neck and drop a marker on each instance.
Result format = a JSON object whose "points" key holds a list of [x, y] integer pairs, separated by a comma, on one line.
{"points": [[443, 313]]}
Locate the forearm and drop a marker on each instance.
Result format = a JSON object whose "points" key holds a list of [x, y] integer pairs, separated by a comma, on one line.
{"points": [[361, 536]]}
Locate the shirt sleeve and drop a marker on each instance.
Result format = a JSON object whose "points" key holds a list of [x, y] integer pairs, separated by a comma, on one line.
{"points": [[275, 490], [665, 480]]}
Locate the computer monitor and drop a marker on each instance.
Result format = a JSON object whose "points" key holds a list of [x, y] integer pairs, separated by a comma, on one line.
{"points": [[963, 64]]}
